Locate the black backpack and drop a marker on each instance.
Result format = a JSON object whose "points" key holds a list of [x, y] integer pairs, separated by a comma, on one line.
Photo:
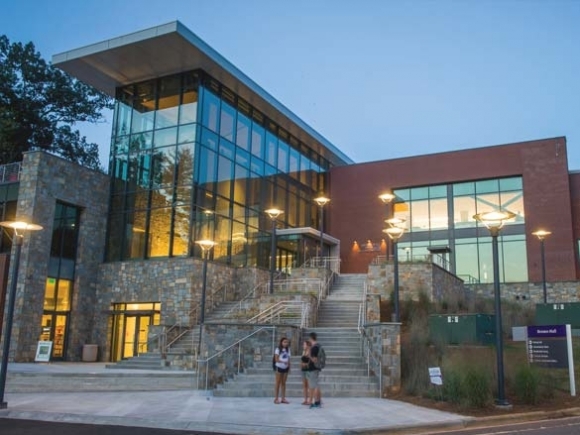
{"points": [[321, 358]]}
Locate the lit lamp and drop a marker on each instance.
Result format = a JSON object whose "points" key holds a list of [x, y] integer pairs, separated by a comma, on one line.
{"points": [[395, 232], [541, 235], [19, 229], [493, 221], [206, 246], [386, 198], [273, 214], [321, 201]]}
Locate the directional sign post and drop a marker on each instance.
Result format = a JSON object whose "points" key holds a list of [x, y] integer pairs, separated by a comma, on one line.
{"points": [[551, 346]]}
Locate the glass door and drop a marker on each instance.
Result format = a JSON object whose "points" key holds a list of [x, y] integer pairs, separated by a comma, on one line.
{"points": [[54, 329], [135, 335]]}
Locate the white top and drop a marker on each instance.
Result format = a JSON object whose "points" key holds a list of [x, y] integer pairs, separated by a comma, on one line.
{"points": [[283, 358]]}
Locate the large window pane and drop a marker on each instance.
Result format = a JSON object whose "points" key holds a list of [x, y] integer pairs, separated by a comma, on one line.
{"points": [[515, 259], [225, 175], [438, 213], [159, 226], [419, 216], [188, 110], [207, 169], [464, 210], [168, 102], [243, 132], [227, 121], [211, 104], [181, 230]]}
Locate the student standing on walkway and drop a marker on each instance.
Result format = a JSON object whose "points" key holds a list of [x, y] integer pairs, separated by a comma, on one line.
{"points": [[282, 358], [304, 361], [314, 372]]}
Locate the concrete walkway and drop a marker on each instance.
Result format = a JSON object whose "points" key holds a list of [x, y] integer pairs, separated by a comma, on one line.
{"points": [[198, 410]]}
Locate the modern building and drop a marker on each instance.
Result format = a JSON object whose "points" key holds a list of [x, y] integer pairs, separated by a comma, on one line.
{"points": [[199, 151]]}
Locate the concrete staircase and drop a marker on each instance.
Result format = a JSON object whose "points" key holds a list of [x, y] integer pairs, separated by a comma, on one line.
{"points": [[346, 372]]}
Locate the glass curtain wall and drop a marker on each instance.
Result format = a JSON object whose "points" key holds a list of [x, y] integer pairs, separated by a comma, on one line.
{"points": [[191, 160], [442, 215]]}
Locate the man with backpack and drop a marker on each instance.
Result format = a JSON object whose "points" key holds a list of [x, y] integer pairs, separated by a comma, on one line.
{"points": [[316, 364]]}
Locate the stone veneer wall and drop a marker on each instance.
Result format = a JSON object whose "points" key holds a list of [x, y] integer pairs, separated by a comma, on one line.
{"points": [[529, 293], [174, 282], [415, 278], [223, 357], [385, 339], [46, 179]]}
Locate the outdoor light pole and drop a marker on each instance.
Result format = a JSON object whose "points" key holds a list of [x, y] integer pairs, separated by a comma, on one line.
{"points": [[206, 246], [19, 229], [494, 221], [273, 214], [386, 199], [321, 201], [395, 232], [541, 235]]}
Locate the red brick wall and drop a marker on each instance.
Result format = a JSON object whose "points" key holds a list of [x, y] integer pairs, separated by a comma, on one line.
{"points": [[357, 214]]}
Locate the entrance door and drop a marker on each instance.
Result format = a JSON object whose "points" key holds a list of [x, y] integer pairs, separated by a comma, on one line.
{"points": [[54, 329], [135, 335]]}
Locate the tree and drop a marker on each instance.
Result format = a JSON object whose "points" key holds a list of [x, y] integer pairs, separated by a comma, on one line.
{"points": [[40, 104]]}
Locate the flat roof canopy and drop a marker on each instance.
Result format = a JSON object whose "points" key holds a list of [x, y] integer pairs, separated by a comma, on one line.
{"points": [[170, 49]]}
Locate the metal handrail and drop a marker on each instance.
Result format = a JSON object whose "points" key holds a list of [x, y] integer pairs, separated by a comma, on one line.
{"points": [[332, 263], [238, 342], [193, 317], [280, 308]]}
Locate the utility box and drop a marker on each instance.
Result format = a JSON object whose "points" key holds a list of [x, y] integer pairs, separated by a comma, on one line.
{"points": [[564, 313], [462, 328]]}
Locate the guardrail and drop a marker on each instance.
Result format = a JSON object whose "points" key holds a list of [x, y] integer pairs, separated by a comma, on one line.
{"points": [[332, 263], [284, 312]]}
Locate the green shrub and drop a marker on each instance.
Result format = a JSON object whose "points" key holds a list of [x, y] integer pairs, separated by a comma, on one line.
{"points": [[527, 384], [477, 388]]}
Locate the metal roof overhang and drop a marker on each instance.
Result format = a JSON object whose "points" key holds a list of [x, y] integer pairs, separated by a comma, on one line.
{"points": [[172, 48]]}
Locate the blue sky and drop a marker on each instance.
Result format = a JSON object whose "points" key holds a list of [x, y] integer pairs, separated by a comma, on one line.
{"points": [[380, 79]]}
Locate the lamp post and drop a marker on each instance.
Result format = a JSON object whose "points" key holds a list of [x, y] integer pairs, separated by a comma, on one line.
{"points": [[494, 221], [541, 235], [206, 246], [321, 201], [273, 214], [395, 232], [19, 229], [386, 198]]}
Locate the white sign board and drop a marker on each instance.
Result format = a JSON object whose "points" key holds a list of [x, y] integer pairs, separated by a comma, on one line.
{"points": [[43, 351], [435, 375]]}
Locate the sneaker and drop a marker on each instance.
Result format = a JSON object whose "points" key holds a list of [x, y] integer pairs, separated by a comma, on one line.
{"points": [[315, 405]]}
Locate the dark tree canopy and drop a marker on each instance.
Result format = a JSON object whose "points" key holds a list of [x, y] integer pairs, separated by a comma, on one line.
{"points": [[39, 106]]}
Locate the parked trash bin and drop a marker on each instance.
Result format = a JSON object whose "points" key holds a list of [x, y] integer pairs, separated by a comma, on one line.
{"points": [[90, 352]]}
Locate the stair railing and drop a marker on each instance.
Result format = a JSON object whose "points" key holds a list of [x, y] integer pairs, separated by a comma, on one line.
{"points": [[212, 300], [332, 263], [362, 309], [284, 309], [231, 349]]}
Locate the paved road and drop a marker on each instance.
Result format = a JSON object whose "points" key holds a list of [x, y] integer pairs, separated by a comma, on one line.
{"points": [[9, 426], [563, 426]]}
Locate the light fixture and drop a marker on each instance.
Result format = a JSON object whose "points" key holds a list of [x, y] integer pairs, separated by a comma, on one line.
{"points": [[273, 213], [541, 235], [206, 245], [321, 201], [387, 197], [494, 221], [19, 228]]}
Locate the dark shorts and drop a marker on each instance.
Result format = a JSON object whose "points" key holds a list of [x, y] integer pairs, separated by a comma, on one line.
{"points": [[279, 370]]}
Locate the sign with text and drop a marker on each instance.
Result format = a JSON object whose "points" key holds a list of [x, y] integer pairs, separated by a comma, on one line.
{"points": [[547, 346], [43, 351]]}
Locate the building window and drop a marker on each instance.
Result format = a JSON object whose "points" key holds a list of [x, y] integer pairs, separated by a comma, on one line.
{"points": [[443, 215]]}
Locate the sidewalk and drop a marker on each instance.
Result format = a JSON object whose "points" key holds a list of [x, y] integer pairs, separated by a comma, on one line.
{"points": [[196, 410]]}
